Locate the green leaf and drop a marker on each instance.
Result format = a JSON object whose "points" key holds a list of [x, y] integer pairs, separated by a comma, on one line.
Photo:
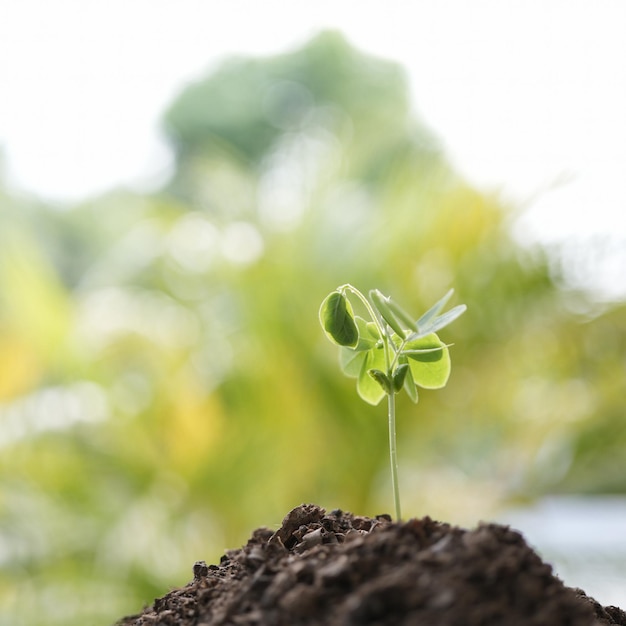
{"points": [[429, 361], [423, 321], [401, 315], [337, 320], [368, 388], [366, 339], [399, 375], [382, 305], [372, 329], [382, 379], [431, 321], [443, 320], [351, 361]]}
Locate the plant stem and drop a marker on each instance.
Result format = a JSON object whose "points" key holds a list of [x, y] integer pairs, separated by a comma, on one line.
{"points": [[391, 403], [388, 347]]}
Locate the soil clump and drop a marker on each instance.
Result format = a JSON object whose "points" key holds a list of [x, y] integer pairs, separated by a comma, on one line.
{"points": [[339, 569]]}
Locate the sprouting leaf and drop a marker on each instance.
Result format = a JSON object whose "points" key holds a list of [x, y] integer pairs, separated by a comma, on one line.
{"points": [[337, 320], [367, 338], [382, 305], [429, 361], [382, 379], [399, 375], [372, 329], [401, 315]]}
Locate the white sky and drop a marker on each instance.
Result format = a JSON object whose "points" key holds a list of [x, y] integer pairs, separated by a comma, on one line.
{"points": [[525, 94]]}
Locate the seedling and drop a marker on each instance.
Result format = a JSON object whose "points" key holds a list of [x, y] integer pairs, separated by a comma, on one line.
{"points": [[389, 352]]}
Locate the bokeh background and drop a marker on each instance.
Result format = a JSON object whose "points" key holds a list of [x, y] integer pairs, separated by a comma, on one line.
{"points": [[164, 384]]}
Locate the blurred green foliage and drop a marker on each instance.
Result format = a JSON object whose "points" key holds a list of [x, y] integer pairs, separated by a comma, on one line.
{"points": [[164, 384]]}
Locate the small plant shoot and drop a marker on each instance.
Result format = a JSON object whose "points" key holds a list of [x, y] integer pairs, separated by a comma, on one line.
{"points": [[388, 351]]}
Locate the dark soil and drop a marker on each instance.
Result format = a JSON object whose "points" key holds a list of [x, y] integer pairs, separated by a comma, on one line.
{"points": [[339, 569]]}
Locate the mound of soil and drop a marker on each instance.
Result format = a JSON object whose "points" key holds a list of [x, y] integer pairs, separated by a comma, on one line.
{"points": [[340, 569]]}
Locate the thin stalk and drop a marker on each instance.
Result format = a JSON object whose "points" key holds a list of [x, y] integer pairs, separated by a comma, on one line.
{"points": [[393, 457]]}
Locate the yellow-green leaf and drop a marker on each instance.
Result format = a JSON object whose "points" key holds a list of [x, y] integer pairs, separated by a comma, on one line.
{"points": [[429, 361], [368, 388]]}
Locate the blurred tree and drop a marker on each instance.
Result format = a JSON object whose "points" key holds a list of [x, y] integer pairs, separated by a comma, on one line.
{"points": [[251, 112], [164, 384]]}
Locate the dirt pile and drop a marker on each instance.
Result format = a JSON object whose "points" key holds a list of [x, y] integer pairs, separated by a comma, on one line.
{"points": [[339, 569]]}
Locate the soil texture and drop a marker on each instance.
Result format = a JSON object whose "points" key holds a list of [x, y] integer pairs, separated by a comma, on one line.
{"points": [[339, 569]]}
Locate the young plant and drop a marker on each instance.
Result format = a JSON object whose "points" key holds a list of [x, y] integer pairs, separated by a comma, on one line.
{"points": [[389, 352]]}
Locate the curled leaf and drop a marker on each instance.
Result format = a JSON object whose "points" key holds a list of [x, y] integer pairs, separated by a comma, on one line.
{"points": [[398, 377], [382, 379], [372, 329], [337, 320], [367, 340], [401, 315], [382, 305]]}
